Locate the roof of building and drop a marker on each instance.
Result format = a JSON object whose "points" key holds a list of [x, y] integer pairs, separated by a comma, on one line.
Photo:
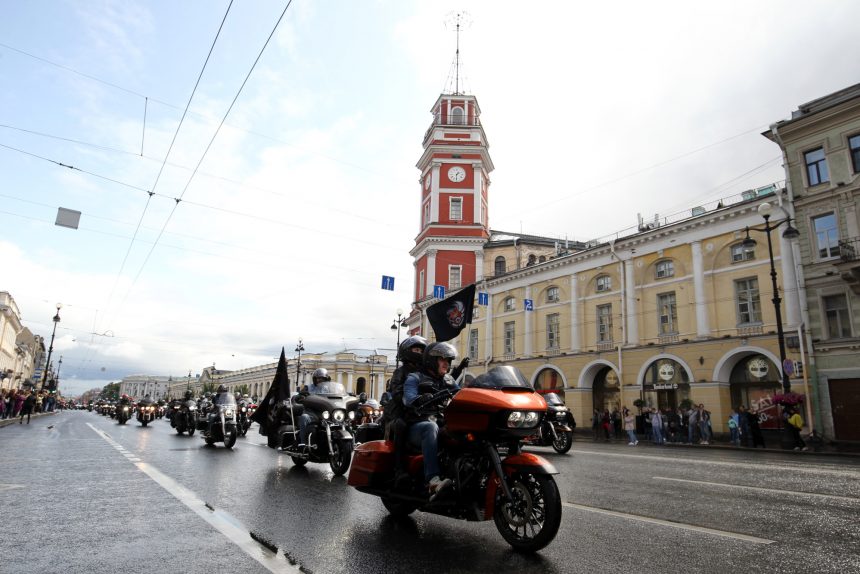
{"points": [[823, 103]]}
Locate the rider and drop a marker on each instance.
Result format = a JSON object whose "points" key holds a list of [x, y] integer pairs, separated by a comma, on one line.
{"points": [[418, 388], [410, 355], [308, 420]]}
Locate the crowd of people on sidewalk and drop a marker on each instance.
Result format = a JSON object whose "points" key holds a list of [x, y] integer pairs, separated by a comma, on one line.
{"points": [[686, 426], [22, 402]]}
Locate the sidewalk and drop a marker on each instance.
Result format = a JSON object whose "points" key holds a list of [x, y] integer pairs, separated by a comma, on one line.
{"points": [[837, 450], [7, 422]]}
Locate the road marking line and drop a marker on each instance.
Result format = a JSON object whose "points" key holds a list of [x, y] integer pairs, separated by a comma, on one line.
{"points": [[760, 489], [218, 519], [681, 525], [750, 465]]}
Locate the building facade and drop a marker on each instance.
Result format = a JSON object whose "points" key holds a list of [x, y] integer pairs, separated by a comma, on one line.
{"points": [[139, 386], [11, 371], [821, 155], [669, 313]]}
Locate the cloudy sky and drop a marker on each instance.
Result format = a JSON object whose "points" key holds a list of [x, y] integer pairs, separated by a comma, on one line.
{"points": [[295, 207]]}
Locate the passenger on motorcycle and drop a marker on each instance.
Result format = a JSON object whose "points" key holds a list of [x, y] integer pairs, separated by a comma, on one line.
{"points": [[308, 420], [410, 354], [418, 388]]}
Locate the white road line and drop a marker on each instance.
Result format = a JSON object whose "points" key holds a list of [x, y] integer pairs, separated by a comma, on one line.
{"points": [[681, 525], [764, 465], [218, 519], [761, 489]]}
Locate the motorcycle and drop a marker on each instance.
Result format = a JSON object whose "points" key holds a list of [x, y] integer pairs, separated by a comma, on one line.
{"points": [[123, 413], [243, 417], [555, 430], [145, 412], [518, 492], [218, 424], [330, 440], [183, 416], [367, 424]]}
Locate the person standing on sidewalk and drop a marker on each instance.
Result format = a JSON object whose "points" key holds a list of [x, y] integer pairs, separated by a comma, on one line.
{"points": [[692, 424], [704, 424], [734, 429], [755, 429], [744, 426], [795, 424], [657, 426], [630, 427], [19, 403], [27, 408]]}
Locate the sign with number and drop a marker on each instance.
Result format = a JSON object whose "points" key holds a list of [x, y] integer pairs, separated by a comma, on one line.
{"points": [[483, 298], [439, 291], [529, 304], [388, 283], [788, 367]]}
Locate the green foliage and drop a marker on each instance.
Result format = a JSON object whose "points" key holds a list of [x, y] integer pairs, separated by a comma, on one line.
{"points": [[110, 391], [639, 403], [243, 389], [685, 404], [209, 388]]}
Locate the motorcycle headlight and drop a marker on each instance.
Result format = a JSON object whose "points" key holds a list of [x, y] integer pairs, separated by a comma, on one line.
{"points": [[244, 410], [125, 408], [192, 408], [515, 419], [351, 415], [228, 413], [519, 419], [531, 419], [326, 415], [376, 413]]}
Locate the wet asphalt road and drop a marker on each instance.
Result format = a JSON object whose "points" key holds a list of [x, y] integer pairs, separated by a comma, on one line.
{"points": [[89, 495]]}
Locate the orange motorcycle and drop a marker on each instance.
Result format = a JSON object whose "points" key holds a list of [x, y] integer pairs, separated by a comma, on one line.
{"points": [[518, 492]]}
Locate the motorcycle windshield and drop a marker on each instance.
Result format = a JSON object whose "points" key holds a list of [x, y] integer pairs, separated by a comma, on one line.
{"points": [[225, 400], [506, 377], [553, 400], [328, 388]]}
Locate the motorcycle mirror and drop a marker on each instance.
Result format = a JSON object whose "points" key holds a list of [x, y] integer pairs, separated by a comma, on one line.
{"points": [[362, 397]]}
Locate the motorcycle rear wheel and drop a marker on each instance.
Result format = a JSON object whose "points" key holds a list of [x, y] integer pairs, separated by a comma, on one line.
{"points": [[398, 508], [190, 430], [341, 457], [179, 430], [563, 442], [144, 423], [532, 520], [299, 461]]}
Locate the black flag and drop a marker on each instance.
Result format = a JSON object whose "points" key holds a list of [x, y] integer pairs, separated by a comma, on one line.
{"points": [[279, 391], [450, 316]]}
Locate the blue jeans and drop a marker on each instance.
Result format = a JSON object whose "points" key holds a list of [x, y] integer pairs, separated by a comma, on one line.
{"points": [[631, 434], [306, 421], [736, 439], [658, 434], [705, 432], [425, 434]]}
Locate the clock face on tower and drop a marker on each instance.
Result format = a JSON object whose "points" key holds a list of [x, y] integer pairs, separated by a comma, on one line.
{"points": [[456, 174]]}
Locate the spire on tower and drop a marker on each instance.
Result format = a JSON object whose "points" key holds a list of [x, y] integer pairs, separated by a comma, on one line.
{"points": [[455, 83]]}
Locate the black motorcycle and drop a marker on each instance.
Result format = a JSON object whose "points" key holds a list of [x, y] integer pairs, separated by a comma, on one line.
{"points": [[367, 424], [123, 413], [556, 429], [218, 423], [243, 414], [330, 439], [145, 411], [183, 416]]}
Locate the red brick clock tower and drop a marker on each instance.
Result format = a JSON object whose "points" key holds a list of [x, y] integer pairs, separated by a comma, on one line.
{"points": [[454, 224]]}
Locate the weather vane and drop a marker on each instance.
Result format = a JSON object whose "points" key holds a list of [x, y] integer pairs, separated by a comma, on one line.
{"points": [[457, 21]]}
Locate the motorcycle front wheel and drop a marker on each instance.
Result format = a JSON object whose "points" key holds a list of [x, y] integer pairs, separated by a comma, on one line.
{"points": [[299, 461], [563, 442], [531, 520], [230, 439], [340, 457], [190, 430], [144, 423], [398, 508]]}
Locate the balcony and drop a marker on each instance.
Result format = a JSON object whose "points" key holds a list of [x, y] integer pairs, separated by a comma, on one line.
{"points": [[509, 357], [667, 338], [605, 346], [849, 262], [750, 330], [553, 352]]}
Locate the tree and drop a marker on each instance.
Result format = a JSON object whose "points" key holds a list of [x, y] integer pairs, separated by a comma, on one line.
{"points": [[243, 389], [110, 391], [208, 388]]}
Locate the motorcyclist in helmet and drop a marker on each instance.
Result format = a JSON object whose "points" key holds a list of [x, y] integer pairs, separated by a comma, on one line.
{"points": [[418, 388], [409, 353], [308, 420], [189, 394]]}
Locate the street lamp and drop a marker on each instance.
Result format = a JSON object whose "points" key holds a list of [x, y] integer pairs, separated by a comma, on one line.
{"points": [[790, 232], [299, 348], [396, 325], [51, 347]]}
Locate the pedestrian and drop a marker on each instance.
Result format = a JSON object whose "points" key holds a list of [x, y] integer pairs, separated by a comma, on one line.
{"points": [[19, 403], [755, 429], [595, 424], [657, 427], [8, 399], [744, 426], [734, 428], [606, 424], [673, 418], [795, 424], [630, 427], [646, 419], [693, 424], [704, 424], [27, 408], [616, 423], [39, 398]]}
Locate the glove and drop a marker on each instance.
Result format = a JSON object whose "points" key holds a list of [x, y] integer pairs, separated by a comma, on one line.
{"points": [[423, 400], [459, 369]]}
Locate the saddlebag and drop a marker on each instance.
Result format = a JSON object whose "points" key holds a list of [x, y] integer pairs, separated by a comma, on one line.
{"points": [[368, 432], [369, 459]]}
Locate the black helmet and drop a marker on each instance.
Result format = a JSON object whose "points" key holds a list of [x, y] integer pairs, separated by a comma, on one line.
{"points": [[222, 389], [188, 395], [436, 350], [320, 375], [407, 356]]}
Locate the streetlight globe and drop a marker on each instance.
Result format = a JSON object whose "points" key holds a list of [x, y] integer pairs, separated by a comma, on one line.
{"points": [[399, 311], [59, 306], [765, 209]]}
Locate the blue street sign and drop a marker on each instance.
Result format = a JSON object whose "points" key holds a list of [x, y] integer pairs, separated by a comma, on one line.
{"points": [[529, 304], [439, 291], [483, 298], [788, 367], [388, 283]]}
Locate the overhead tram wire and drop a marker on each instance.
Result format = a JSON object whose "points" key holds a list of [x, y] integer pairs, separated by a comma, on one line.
{"points": [[208, 146]]}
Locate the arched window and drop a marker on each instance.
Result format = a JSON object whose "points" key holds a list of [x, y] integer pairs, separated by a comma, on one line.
{"points": [[542, 259], [510, 304], [665, 268], [458, 116], [741, 253], [603, 283], [552, 295], [500, 265], [360, 386], [532, 260]]}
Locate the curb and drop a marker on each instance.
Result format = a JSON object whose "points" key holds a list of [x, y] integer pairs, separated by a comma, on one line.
{"points": [[732, 448], [12, 421]]}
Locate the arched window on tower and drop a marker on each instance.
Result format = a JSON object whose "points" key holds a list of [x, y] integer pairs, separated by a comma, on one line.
{"points": [[458, 116], [532, 260], [500, 265]]}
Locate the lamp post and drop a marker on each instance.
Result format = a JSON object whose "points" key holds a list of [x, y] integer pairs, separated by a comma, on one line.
{"points": [[51, 347], [790, 233], [299, 348], [396, 325]]}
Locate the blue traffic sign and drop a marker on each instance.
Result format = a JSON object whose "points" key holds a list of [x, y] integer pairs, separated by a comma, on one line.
{"points": [[483, 298], [529, 304], [439, 291], [388, 283]]}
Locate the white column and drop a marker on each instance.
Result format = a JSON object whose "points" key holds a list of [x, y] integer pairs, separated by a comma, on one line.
{"points": [[789, 283], [528, 335], [476, 193], [431, 272], [434, 193], [349, 382], [575, 330], [632, 318], [703, 328], [479, 265], [488, 331]]}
